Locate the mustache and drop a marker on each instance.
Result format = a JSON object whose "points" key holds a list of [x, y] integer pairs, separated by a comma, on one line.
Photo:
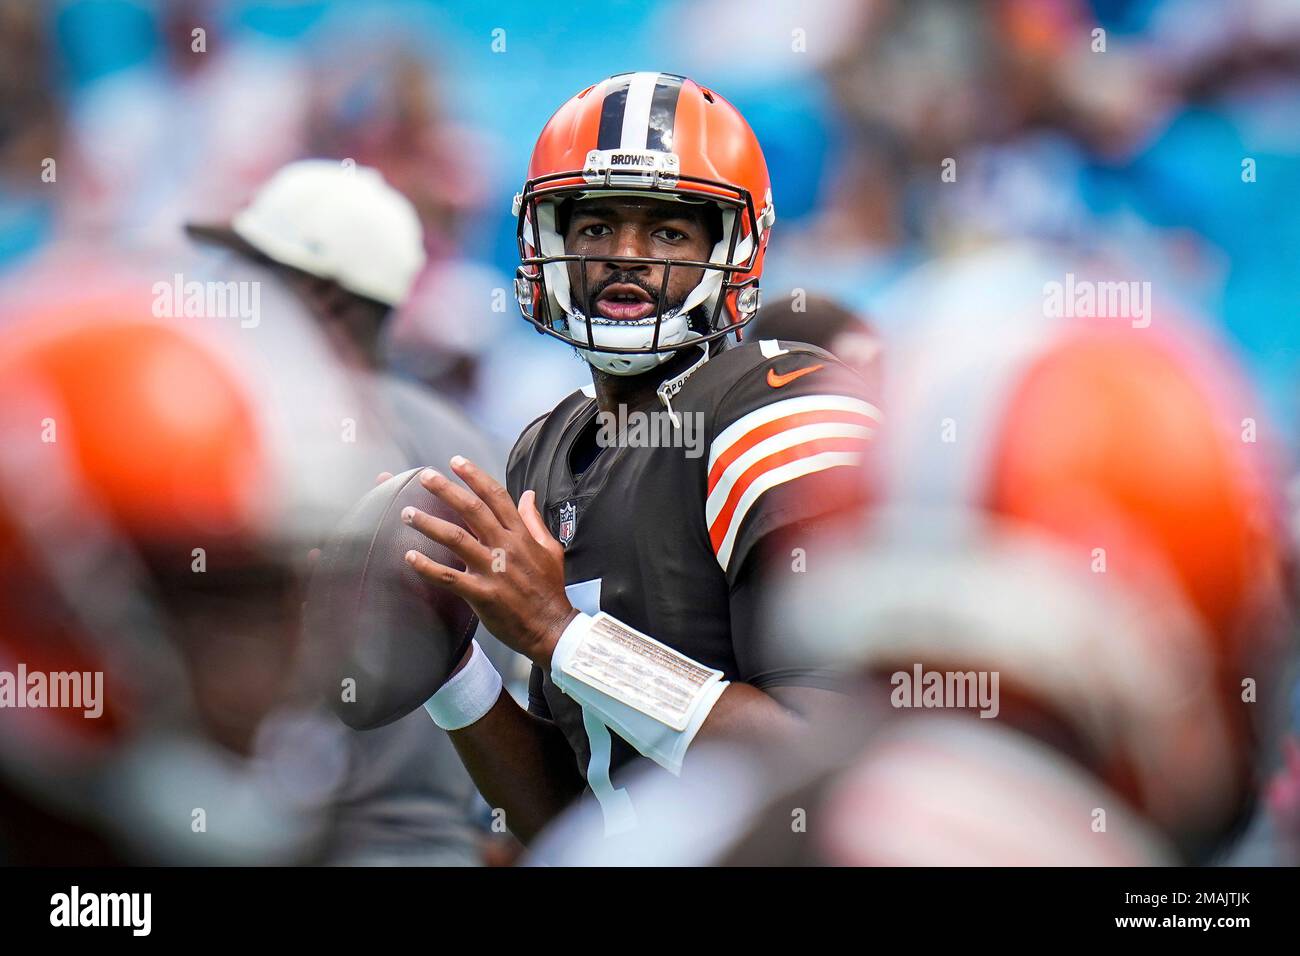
{"points": [[624, 278]]}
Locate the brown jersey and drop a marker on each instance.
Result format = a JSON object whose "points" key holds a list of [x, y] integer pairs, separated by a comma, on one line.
{"points": [[662, 528]]}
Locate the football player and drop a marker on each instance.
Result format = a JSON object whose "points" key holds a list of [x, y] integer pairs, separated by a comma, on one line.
{"points": [[624, 557], [350, 246], [160, 485], [1100, 548]]}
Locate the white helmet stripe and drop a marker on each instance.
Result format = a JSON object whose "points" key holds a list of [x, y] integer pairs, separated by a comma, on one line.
{"points": [[636, 114]]}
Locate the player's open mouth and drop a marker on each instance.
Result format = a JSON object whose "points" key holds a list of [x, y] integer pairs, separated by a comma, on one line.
{"points": [[625, 302]]}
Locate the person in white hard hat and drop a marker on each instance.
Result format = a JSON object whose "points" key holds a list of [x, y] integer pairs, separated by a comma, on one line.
{"points": [[351, 246]]}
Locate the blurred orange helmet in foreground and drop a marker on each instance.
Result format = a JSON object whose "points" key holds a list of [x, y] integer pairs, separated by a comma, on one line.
{"points": [[177, 430], [1090, 509], [162, 478], [164, 433], [1118, 441], [1139, 447], [121, 439]]}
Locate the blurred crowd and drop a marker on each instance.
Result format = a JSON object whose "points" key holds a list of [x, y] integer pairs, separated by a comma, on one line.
{"points": [[1117, 131], [932, 160]]}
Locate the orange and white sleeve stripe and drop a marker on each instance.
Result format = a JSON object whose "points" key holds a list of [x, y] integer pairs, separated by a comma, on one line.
{"points": [[775, 444]]}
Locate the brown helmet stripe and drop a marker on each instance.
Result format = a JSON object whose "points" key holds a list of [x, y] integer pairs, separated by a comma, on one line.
{"points": [[663, 112], [611, 112], [639, 111]]}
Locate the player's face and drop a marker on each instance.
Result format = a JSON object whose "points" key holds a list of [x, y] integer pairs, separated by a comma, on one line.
{"points": [[633, 226]]}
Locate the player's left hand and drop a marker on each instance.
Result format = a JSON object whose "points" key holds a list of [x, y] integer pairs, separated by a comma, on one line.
{"points": [[514, 566]]}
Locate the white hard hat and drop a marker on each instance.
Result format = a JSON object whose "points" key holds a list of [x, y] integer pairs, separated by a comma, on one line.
{"points": [[333, 220]]}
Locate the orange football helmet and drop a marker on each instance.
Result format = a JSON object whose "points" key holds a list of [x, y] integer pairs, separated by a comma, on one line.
{"points": [[1091, 510], [155, 510], [639, 133]]}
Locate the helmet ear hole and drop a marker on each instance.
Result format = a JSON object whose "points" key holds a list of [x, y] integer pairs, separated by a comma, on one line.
{"points": [[563, 213], [713, 219]]}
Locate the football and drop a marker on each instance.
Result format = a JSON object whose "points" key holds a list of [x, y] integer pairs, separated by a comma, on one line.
{"points": [[381, 638]]}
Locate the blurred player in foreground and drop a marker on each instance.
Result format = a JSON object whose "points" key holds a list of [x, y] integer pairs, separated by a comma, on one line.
{"points": [[349, 246], [161, 481], [1067, 617]]}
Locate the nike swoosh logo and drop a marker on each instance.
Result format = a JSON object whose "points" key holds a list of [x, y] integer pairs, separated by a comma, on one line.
{"points": [[776, 381]]}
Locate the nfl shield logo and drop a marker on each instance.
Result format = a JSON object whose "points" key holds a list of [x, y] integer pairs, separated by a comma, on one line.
{"points": [[568, 522]]}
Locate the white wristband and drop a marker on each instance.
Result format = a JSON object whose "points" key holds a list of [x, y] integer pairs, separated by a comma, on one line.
{"points": [[652, 696], [468, 695]]}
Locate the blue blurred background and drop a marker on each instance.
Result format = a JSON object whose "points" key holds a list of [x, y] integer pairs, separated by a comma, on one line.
{"points": [[1170, 155]]}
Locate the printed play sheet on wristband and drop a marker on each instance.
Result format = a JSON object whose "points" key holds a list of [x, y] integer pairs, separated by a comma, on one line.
{"points": [[639, 671]]}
